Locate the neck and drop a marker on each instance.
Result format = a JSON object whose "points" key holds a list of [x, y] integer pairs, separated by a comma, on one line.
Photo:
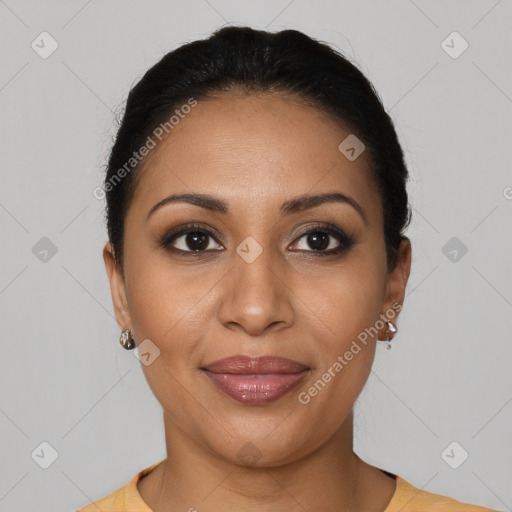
{"points": [[192, 477]]}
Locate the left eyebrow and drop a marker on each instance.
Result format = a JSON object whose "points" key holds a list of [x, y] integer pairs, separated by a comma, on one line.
{"points": [[294, 205], [305, 202]]}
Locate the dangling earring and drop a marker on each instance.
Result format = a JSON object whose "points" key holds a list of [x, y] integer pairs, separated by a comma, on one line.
{"points": [[390, 333], [127, 340]]}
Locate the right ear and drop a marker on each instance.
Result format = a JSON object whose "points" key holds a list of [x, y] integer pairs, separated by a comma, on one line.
{"points": [[117, 288]]}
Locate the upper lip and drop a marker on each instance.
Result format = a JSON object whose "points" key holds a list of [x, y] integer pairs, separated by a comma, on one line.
{"points": [[249, 365]]}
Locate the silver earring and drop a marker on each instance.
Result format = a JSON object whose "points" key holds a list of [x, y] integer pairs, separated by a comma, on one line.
{"points": [[127, 340], [390, 333]]}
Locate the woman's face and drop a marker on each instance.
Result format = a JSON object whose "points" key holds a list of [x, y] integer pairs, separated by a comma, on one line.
{"points": [[250, 282]]}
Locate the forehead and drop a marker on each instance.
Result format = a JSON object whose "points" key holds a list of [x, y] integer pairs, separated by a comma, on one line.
{"points": [[249, 149]]}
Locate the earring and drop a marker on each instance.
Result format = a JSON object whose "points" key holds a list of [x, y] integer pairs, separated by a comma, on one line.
{"points": [[127, 340], [390, 333]]}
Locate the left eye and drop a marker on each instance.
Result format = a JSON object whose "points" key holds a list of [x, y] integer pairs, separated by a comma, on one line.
{"points": [[321, 240]]}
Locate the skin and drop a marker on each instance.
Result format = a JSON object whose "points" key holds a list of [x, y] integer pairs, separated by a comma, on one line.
{"points": [[255, 152]]}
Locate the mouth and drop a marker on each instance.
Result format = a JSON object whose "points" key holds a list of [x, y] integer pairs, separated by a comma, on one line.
{"points": [[256, 380]]}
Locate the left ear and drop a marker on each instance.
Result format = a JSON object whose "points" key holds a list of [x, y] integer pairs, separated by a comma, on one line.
{"points": [[396, 283]]}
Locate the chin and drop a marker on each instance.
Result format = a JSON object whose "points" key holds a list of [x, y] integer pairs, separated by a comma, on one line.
{"points": [[257, 449]]}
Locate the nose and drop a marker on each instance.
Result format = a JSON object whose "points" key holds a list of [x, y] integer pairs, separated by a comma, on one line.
{"points": [[255, 298]]}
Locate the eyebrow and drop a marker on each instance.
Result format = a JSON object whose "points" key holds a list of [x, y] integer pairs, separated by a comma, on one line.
{"points": [[294, 205]]}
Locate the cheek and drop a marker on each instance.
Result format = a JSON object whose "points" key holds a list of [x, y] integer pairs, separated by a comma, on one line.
{"points": [[325, 404], [169, 309], [340, 303], [173, 307], [344, 344], [344, 306], [167, 303]]}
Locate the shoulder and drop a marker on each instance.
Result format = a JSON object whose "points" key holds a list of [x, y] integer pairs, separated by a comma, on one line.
{"points": [[112, 502], [408, 498], [124, 499], [116, 501]]}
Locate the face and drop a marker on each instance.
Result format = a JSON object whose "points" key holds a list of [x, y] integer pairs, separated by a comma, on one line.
{"points": [[253, 277]]}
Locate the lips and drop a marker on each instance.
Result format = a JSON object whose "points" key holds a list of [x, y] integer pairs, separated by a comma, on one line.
{"points": [[256, 380], [255, 365]]}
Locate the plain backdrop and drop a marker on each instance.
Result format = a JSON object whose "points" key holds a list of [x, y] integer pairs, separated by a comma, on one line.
{"points": [[72, 398]]}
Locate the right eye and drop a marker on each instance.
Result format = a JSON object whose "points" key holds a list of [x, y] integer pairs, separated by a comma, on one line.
{"points": [[190, 239]]}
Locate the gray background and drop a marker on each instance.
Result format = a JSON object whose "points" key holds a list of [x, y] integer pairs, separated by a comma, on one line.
{"points": [[65, 378]]}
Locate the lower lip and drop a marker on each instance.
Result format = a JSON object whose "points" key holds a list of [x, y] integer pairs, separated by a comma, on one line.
{"points": [[256, 389]]}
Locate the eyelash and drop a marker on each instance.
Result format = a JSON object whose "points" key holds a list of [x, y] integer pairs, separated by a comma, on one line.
{"points": [[345, 241]]}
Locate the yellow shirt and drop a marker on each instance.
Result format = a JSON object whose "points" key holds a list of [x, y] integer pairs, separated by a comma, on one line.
{"points": [[407, 498]]}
